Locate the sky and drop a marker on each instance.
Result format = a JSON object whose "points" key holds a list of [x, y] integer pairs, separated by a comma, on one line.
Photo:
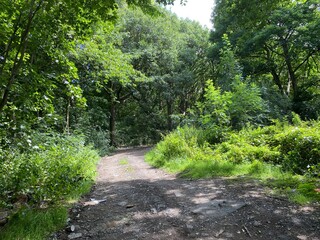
{"points": [[199, 10]]}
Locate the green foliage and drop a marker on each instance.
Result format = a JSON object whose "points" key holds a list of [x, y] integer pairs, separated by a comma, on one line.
{"points": [[247, 106], [54, 168], [221, 111], [241, 152], [100, 141], [274, 154], [213, 112], [299, 147], [30, 224], [123, 161], [299, 189], [278, 44], [294, 148], [215, 108], [179, 147], [228, 68], [305, 192]]}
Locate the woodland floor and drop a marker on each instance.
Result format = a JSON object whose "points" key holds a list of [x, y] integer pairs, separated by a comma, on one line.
{"points": [[132, 200]]}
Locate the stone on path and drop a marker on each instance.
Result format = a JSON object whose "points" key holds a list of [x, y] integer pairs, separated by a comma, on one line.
{"points": [[75, 235], [218, 208]]}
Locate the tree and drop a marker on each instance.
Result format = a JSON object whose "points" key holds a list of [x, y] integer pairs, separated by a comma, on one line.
{"points": [[273, 40], [106, 71], [166, 50], [37, 77]]}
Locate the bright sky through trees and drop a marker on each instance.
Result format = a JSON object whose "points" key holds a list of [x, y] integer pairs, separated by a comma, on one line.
{"points": [[198, 10]]}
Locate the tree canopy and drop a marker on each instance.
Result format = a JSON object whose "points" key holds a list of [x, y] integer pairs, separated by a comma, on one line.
{"points": [[275, 41]]}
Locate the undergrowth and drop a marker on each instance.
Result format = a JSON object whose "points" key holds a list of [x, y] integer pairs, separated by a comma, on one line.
{"points": [[284, 157], [37, 186]]}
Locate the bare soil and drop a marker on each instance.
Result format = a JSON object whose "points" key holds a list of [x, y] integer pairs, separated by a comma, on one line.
{"points": [[131, 200]]}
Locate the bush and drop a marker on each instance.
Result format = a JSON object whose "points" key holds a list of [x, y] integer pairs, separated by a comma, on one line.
{"points": [[55, 168], [183, 145], [100, 141], [275, 154], [294, 147], [245, 152], [299, 147]]}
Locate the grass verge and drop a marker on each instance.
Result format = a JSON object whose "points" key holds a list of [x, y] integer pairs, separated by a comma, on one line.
{"points": [[33, 223], [247, 153], [297, 188]]}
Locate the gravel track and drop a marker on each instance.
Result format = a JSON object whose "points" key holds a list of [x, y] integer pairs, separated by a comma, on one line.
{"points": [[132, 200]]}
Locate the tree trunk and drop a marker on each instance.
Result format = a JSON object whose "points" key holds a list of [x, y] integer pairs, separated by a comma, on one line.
{"points": [[276, 80], [19, 54], [67, 129], [292, 80], [273, 70]]}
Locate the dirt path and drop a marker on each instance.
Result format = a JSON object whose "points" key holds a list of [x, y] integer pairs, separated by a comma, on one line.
{"points": [[132, 200]]}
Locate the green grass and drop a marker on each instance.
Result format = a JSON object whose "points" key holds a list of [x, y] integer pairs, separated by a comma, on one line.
{"points": [[80, 190], [34, 224], [123, 161], [298, 189]]}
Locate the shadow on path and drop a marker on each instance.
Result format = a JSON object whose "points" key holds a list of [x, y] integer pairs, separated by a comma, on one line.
{"points": [[134, 201]]}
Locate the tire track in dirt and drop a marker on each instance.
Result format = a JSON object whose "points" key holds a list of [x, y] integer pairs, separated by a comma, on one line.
{"points": [[132, 200]]}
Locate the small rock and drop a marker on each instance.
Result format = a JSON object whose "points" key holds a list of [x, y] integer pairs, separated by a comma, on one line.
{"points": [[257, 224], [71, 228], [53, 236], [122, 204], [218, 208], [75, 235]]}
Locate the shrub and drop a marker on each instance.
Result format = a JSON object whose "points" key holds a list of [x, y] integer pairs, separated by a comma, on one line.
{"points": [[247, 106], [276, 154], [299, 147], [54, 169], [245, 152], [183, 145], [100, 141]]}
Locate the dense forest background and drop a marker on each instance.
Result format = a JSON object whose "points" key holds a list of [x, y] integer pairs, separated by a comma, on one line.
{"points": [[124, 77], [82, 75]]}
